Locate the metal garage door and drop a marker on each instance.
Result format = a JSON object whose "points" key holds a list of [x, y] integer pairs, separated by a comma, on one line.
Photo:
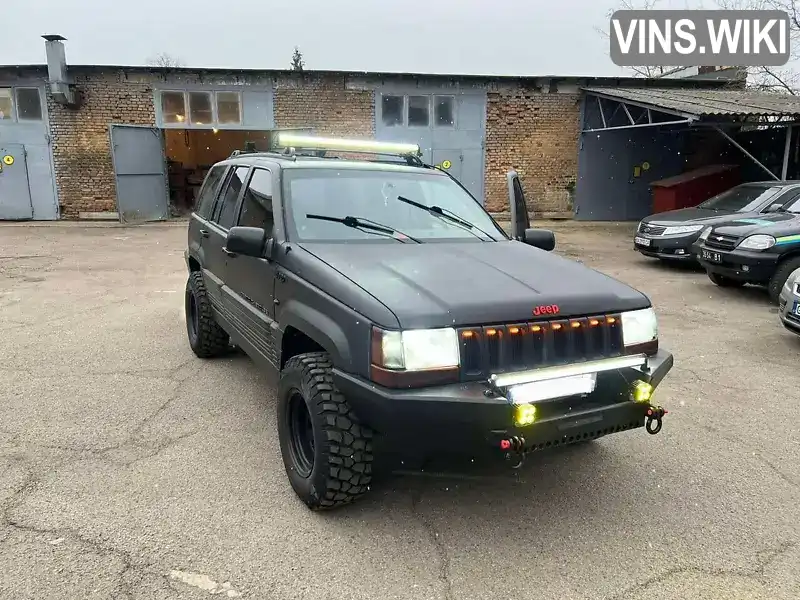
{"points": [[15, 192], [140, 170], [448, 126]]}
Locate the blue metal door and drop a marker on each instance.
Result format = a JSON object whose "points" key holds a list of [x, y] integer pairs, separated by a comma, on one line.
{"points": [[140, 171], [15, 192]]}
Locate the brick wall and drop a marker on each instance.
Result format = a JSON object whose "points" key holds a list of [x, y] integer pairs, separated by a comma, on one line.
{"points": [[81, 149], [323, 102], [536, 134]]}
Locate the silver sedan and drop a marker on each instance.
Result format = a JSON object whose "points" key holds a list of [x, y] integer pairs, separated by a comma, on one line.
{"points": [[789, 303]]}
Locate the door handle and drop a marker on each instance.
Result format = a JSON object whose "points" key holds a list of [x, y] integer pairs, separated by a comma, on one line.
{"points": [[204, 232], [228, 252]]}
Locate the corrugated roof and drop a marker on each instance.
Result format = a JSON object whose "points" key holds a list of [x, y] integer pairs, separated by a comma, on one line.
{"points": [[705, 103]]}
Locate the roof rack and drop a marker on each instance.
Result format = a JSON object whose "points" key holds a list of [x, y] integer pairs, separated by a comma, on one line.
{"points": [[319, 146]]}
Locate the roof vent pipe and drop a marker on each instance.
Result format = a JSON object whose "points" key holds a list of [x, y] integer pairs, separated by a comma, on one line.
{"points": [[60, 84]]}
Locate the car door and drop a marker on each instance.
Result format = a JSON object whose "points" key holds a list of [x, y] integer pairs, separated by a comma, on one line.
{"points": [[199, 221], [222, 219], [250, 281]]}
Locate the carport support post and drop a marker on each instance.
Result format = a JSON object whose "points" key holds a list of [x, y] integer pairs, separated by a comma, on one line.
{"points": [[743, 149], [786, 148]]}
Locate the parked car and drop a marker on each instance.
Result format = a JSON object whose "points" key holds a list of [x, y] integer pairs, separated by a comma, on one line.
{"points": [[670, 235], [789, 303], [392, 311], [761, 250]]}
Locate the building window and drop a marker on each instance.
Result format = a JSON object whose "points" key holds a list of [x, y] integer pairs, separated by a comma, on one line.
{"points": [[173, 107], [445, 111], [200, 111], [29, 104], [229, 108], [392, 110], [418, 111], [6, 104]]}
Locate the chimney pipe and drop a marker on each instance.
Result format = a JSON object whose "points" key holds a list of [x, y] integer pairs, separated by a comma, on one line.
{"points": [[60, 84]]}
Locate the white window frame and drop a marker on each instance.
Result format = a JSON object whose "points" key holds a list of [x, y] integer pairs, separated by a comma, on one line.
{"points": [[216, 107], [179, 124], [211, 103], [15, 118], [188, 123]]}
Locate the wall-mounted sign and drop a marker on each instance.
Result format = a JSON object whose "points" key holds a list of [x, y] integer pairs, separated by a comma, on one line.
{"points": [[446, 164], [8, 159], [645, 166]]}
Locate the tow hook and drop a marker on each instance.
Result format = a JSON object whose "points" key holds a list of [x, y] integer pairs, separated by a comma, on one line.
{"points": [[655, 414], [514, 445]]}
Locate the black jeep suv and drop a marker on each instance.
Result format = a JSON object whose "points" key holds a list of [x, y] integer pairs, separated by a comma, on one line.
{"points": [[393, 310]]}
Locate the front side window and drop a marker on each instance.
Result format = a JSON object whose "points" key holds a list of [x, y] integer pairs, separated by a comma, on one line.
{"points": [[29, 104], [6, 104], [205, 199], [227, 210], [257, 202], [744, 198], [372, 194]]}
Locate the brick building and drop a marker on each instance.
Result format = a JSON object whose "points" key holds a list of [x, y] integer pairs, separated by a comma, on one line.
{"points": [[79, 152]]}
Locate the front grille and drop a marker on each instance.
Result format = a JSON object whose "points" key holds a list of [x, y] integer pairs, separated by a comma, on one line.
{"points": [[722, 241], [519, 346], [651, 229]]}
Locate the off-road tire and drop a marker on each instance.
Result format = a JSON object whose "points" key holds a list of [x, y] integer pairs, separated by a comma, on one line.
{"points": [[342, 452], [206, 338], [723, 281], [779, 277]]}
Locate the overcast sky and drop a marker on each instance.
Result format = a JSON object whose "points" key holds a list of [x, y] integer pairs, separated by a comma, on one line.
{"points": [[508, 37]]}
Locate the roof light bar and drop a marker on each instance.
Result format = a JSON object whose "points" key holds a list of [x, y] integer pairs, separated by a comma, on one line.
{"points": [[308, 142]]}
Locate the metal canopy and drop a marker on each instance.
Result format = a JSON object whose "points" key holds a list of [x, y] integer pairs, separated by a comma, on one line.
{"points": [[610, 109]]}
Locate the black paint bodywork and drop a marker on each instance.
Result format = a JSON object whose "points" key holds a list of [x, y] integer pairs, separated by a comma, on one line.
{"points": [[306, 296]]}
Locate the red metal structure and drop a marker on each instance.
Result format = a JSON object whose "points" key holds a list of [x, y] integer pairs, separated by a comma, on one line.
{"points": [[693, 187]]}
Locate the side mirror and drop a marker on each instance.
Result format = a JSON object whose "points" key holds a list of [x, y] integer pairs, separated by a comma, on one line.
{"points": [[247, 241], [774, 207], [540, 238], [520, 220]]}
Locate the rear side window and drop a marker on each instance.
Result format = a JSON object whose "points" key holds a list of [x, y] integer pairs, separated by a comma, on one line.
{"points": [[226, 213], [257, 202], [205, 199]]}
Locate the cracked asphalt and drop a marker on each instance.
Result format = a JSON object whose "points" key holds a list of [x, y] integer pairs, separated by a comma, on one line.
{"points": [[131, 469]]}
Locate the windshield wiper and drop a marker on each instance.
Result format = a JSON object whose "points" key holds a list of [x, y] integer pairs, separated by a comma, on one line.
{"points": [[449, 215], [366, 225]]}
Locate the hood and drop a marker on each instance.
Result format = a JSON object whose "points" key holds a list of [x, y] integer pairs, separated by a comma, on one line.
{"points": [[688, 216], [470, 283], [776, 224]]}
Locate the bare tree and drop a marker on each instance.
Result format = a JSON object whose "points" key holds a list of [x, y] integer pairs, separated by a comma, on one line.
{"points": [[297, 60], [772, 79], [165, 60]]}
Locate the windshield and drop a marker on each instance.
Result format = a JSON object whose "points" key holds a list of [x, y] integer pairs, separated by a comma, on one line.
{"points": [[373, 195], [743, 198]]}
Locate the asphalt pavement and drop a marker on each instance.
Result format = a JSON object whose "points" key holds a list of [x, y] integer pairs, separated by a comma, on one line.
{"points": [[131, 469]]}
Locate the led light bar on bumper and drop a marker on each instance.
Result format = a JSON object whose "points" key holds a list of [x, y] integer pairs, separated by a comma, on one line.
{"points": [[414, 358]]}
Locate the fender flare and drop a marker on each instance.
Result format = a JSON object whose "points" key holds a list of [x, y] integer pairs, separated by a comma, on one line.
{"points": [[319, 327]]}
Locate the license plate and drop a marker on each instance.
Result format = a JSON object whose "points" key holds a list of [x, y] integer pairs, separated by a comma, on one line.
{"points": [[712, 256], [641, 241], [548, 389]]}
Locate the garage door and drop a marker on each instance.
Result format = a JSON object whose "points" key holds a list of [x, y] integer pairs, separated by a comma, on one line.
{"points": [[449, 127]]}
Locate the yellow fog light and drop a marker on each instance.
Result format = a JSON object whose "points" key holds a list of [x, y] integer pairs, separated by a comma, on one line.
{"points": [[524, 414], [641, 391]]}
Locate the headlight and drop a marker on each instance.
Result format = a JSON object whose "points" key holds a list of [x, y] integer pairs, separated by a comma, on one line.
{"points": [[704, 235], [414, 357], [640, 331], [682, 229], [757, 242]]}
